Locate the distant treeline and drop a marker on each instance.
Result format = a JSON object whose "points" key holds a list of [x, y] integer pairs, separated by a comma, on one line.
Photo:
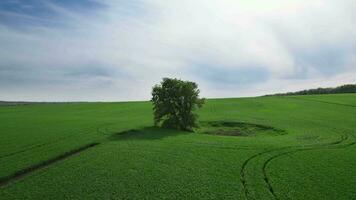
{"points": [[350, 88]]}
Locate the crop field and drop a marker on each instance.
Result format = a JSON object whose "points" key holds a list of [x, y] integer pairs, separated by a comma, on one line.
{"points": [[278, 147]]}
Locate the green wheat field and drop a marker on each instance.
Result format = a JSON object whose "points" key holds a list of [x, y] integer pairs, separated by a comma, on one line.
{"points": [[278, 147]]}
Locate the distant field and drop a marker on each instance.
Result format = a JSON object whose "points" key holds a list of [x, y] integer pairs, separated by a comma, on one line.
{"points": [[302, 147]]}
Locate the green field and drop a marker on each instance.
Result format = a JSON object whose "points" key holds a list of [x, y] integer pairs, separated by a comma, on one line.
{"points": [[288, 147]]}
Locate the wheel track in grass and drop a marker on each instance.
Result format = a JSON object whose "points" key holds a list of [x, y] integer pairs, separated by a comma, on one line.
{"points": [[332, 146], [39, 145], [291, 149], [18, 175], [247, 161], [22, 173]]}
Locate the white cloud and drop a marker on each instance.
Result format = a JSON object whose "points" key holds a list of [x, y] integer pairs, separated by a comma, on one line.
{"points": [[139, 42]]}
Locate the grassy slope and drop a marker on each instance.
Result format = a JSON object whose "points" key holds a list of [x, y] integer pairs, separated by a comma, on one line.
{"points": [[313, 161]]}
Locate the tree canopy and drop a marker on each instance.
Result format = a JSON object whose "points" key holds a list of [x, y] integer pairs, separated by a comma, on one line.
{"points": [[174, 103]]}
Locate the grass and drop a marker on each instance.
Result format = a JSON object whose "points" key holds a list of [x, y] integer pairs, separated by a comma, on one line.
{"points": [[299, 147]]}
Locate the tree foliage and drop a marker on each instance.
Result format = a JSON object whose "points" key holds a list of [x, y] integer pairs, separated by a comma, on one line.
{"points": [[174, 102]]}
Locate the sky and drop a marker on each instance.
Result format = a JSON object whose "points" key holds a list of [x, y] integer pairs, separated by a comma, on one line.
{"points": [[116, 50]]}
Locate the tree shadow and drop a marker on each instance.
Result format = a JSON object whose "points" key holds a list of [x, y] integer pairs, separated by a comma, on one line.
{"points": [[147, 133]]}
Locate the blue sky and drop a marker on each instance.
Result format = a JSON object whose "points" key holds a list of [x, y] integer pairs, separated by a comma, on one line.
{"points": [[111, 50]]}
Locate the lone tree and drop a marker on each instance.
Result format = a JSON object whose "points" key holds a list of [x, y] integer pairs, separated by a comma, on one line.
{"points": [[174, 101]]}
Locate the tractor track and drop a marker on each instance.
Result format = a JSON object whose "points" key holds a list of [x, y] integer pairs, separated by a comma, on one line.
{"points": [[18, 175], [247, 161], [324, 147], [44, 164], [35, 146], [292, 150], [39, 145]]}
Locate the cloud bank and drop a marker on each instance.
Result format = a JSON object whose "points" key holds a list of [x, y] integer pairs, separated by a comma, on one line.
{"points": [[117, 50]]}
